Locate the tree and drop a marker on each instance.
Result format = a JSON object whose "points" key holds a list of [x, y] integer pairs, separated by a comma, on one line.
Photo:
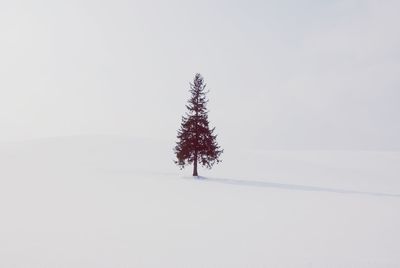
{"points": [[196, 141]]}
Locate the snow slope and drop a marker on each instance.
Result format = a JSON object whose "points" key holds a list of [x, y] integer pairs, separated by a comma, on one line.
{"points": [[121, 202]]}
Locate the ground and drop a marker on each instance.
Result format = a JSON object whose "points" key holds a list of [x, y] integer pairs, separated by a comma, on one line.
{"points": [[120, 202]]}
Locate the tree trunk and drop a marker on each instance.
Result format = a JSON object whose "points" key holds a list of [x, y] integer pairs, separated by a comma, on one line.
{"points": [[195, 165]]}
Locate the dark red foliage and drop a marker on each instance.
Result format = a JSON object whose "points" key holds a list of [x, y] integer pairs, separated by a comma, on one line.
{"points": [[196, 141]]}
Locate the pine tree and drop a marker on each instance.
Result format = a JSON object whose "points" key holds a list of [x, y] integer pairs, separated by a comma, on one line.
{"points": [[196, 141]]}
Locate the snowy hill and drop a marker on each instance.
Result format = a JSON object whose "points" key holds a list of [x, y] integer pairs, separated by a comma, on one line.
{"points": [[121, 202]]}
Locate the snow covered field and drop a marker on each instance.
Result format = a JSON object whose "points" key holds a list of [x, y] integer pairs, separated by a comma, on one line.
{"points": [[121, 202]]}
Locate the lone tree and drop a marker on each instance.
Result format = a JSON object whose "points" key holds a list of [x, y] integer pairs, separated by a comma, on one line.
{"points": [[197, 142]]}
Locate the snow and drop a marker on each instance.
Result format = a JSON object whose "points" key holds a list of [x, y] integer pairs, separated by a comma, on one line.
{"points": [[100, 201]]}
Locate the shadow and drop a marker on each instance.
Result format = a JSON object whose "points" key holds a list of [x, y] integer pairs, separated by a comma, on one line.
{"points": [[293, 187]]}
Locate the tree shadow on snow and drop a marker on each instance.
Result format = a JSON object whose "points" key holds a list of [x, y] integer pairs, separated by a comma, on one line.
{"points": [[293, 187]]}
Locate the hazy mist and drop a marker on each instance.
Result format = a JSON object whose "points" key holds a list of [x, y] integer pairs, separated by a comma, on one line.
{"points": [[281, 74]]}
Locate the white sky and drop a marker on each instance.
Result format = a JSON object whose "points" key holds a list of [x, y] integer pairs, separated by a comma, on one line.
{"points": [[282, 74]]}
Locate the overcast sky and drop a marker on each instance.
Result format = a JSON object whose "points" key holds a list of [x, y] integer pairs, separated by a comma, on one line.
{"points": [[282, 74]]}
